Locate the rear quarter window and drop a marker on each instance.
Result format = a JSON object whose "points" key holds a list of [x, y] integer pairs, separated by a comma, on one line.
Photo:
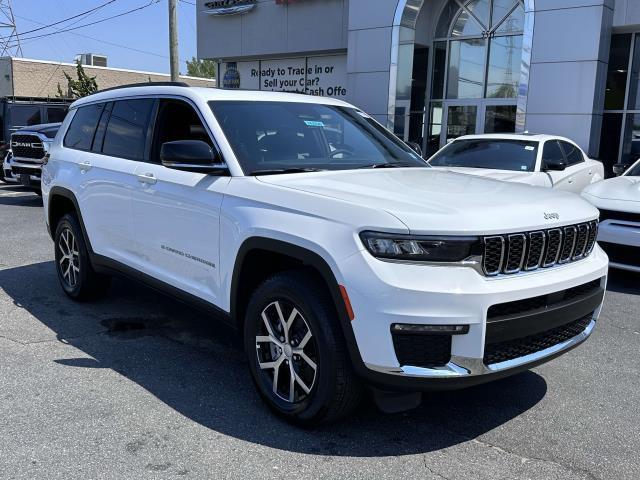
{"points": [[83, 127], [126, 133]]}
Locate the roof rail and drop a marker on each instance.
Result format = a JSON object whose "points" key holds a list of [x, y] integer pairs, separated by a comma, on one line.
{"points": [[146, 84]]}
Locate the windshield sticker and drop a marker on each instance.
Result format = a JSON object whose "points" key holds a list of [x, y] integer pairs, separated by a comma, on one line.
{"points": [[313, 123], [523, 168], [529, 147]]}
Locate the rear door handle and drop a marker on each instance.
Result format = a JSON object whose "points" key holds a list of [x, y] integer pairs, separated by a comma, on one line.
{"points": [[85, 166], [147, 178]]}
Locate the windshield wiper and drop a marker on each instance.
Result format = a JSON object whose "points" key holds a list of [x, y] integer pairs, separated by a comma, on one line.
{"points": [[278, 171], [387, 165]]}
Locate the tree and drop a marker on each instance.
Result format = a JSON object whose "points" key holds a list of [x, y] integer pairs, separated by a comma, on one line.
{"points": [[201, 68], [83, 86]]}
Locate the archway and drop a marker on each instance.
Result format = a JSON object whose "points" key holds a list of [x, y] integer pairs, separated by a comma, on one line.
{"points": [[493, 35]]}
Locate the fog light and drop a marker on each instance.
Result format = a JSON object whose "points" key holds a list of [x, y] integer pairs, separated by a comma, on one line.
{"points": [[430, 329]]}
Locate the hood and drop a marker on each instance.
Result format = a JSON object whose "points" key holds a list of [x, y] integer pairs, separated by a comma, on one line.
{"points": [[624, 188], [44, 128], [436, 201], [503, 175], [620, 194]]}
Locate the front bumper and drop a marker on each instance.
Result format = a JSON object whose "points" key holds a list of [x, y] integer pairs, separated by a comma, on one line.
{"points": [[621, 240], [383, 294]]}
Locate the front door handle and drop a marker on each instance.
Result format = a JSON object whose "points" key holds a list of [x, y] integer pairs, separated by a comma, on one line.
{"points": [[85, 166], [147, 178]]}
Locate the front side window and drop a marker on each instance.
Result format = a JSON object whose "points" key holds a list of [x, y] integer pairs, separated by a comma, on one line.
{"points": [[83, 127], [271, 136], [573, 153], [24, 116], [177, 120], [514, 155], [126, 133]]}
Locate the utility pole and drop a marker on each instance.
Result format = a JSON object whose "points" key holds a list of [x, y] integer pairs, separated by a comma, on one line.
{"points": [[173, 40]]}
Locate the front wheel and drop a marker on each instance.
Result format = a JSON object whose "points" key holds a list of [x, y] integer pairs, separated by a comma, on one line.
{"points": [[296, 351], [77, 277]]}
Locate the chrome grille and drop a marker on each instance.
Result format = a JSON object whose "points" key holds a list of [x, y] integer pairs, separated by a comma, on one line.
{"points": [[512, 253], [27, 146]]}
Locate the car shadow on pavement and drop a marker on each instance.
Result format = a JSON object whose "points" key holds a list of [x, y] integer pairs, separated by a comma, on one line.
{"points": [[197, 367], [622, 281]]}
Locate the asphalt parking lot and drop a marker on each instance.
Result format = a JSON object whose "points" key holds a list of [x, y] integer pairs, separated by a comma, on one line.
{"points": [[140, 386]]}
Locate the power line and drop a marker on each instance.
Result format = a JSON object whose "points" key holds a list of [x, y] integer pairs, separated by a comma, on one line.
{"points": [[67, 19], [92, 23]]}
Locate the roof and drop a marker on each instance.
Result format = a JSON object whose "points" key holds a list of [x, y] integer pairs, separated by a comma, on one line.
{"points": [[527, 137], [206, 95], [115, 69]]}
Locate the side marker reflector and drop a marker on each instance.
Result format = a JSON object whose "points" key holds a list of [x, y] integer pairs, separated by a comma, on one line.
{"points": [[347, 302]]}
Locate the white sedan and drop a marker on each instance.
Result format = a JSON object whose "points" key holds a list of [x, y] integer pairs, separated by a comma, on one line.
{"points": [[542, 160], [618, 200]]}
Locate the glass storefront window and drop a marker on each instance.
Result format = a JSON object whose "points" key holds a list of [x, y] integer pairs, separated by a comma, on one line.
{"points": [[435, 128], [514, 22], [500, 10], [480, 10], [439, 68], [466, 26], [466, 68], [446, 17], [461, 120], [500, 119], [634, 85], [631, 142], [617, 72], [504, 67]]}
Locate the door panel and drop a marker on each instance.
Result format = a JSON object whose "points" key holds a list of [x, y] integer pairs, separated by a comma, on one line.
{"points": [[176, 218], [176, 214]]}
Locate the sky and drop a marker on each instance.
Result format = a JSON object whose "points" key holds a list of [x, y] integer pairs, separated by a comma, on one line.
{"points": [[137, 41]]}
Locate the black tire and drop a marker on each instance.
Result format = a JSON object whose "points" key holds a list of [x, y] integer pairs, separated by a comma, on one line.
{"points": [[335, 390], [82, 282]]}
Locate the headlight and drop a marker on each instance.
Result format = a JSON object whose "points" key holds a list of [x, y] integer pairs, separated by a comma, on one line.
{"points": [[420, 248]]}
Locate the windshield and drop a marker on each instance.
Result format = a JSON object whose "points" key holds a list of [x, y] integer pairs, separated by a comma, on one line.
{"points": [[634, 171], [498, 154], [271, 137]]}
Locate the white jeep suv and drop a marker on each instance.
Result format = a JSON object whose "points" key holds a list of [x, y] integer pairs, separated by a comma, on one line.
{"points": [[342, 259]]}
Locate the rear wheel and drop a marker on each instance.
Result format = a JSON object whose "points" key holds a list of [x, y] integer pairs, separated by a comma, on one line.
{"points": [[77, 277], [296, 351]]}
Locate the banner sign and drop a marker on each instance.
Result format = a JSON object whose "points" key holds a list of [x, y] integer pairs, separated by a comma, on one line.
{"points": [[324, 76]]}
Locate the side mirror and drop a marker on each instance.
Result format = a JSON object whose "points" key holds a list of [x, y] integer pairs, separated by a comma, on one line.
{"points": [[554, 165], [620, 168], [415, 147], [192, 156]]}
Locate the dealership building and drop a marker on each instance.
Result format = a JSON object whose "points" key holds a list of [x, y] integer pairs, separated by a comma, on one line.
{"points": [[432, 70]]}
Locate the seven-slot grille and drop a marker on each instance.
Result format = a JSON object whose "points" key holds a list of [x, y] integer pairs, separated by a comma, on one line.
{"points": [[508, 254], [27, 146]]}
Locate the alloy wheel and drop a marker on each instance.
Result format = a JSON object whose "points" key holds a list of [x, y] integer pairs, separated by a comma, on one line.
{"points": [[287, 351], [69, 262]]}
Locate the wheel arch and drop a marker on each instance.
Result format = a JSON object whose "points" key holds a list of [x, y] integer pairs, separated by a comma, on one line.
{"points": [[62, 201], [302, 258]]}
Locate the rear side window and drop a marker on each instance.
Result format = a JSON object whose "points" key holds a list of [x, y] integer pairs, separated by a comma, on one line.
{"points": [[24, 116], [83, 127], [56, 114], [126, 134], [573, 153]]}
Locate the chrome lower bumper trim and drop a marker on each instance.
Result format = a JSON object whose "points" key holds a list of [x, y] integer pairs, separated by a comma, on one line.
{"points": [[464, 367]]}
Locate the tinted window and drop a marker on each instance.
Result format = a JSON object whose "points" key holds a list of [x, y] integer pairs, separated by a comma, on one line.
{"points": [[83, 127], [573, 153], [126, 134], [177, 120], [24, 115], [282, 135], [56, 114], [516, 155], [635, 171], [552, 152]]}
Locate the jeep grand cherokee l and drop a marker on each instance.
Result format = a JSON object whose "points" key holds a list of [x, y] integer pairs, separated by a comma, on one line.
{"points": [[343, 259]]}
